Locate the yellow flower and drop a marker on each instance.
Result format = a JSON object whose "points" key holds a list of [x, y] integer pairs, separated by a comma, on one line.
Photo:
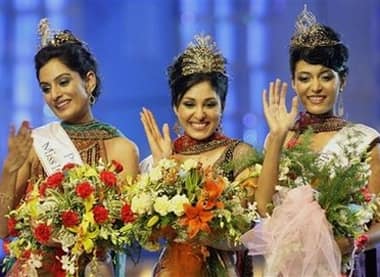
{"points": [[152, 221]]}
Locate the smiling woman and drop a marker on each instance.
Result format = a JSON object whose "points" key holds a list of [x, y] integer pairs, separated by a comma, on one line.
{"points": [[318, 63], [68, 77], [198, 83]]}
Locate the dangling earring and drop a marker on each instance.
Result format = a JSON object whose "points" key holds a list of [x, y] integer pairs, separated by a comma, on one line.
{"points": [[91, 99], [177, 128], [219, 129], [340, 105]]}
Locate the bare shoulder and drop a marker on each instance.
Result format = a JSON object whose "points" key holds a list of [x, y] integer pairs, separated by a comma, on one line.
{"points": [[126, 152], [121, 145], [374, 180], [244, 148]]}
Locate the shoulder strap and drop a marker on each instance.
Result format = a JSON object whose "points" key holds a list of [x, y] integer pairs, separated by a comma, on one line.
{"points": [[54, 147]]}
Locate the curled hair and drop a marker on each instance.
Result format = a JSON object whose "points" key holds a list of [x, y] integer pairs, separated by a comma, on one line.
{"points": [[179, 84], [74, 55], [334, 57]]}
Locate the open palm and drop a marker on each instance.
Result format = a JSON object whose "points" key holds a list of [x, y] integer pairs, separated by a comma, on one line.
{"points": [[160, 143], [19, 145], [275, 110]]}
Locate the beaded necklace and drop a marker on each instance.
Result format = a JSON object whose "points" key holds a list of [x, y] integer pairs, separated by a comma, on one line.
{"points": [[186, 145], [318, 123], [90, 130]]}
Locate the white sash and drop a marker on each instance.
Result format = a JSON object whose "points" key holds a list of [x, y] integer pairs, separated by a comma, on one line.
{"points": [[358, 135], [54, 148]]}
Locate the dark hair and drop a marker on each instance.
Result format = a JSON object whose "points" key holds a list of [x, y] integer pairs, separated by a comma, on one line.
{"points": [[74, 55], [180, 84], [334, 57]]}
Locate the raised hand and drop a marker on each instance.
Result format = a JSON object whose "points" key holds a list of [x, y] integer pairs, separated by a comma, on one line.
{"points": [[160, 143], [274, 104], [19, 145]]}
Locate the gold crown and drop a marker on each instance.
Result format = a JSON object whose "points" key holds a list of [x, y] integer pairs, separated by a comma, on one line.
{"points": [[49, 37], [202, 56], [309, 33]]}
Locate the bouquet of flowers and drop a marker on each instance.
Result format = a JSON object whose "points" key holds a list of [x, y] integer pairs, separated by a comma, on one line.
{"points": [[184, 201], [321, 196], [81, 209], [340, 185]]}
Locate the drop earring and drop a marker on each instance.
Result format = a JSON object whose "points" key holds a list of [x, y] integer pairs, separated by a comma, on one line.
{"points": [[340, 105]]}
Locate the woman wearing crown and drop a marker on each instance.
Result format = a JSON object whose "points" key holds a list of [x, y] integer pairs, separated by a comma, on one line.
{"points": [[68, 77], [198, 83], [318, 63]]}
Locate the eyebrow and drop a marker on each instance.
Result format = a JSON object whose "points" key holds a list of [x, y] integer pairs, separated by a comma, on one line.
{"points": [[191, 98], [58, 77], [319, 73]]}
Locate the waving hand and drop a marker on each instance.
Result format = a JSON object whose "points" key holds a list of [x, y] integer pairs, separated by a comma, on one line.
{"points": [[275, 110], [160, 143]]}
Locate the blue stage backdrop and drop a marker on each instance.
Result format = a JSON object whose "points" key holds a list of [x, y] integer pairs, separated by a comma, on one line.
{"points": [[135, 41]]}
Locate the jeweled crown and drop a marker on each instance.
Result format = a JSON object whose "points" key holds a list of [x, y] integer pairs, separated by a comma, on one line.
{"points": [[202, 56], [309, 33], [54, 38]]}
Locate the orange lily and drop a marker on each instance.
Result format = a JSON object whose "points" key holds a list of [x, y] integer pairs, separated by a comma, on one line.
{"points": [[196, 218], [213, 190]]}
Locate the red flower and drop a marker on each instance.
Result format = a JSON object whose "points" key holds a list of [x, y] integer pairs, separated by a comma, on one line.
{"points": [[52, 182], [100, 214], [118, 167], [68, 166], [108, 178], [127, 214], [6, 247], [366, 194], [12, 227], [69, 218], [361, 242], [43, 188], [55, 179], [26, 254], [292, 143], [84, 189], [42, 233]]}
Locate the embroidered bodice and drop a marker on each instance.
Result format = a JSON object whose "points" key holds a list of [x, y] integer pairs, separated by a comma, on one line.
{"points": [[88, 139]]}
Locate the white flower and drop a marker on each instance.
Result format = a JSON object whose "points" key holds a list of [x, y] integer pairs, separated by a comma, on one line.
{"points": [[35, 260], [364, 215], [299, 181], [47, 206], [68, 264], [166, 163], [142, 203], [177, 203], [189, 164], [162, 205], [155, 174], [257, 170], [252, 212], [143, 181], [66, 239]]}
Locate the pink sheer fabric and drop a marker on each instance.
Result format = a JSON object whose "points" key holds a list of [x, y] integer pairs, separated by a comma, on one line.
{"points": [[297, 240]]}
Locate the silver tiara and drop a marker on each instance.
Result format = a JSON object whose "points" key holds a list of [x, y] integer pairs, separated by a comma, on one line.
{"points": [[309, 33]]}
